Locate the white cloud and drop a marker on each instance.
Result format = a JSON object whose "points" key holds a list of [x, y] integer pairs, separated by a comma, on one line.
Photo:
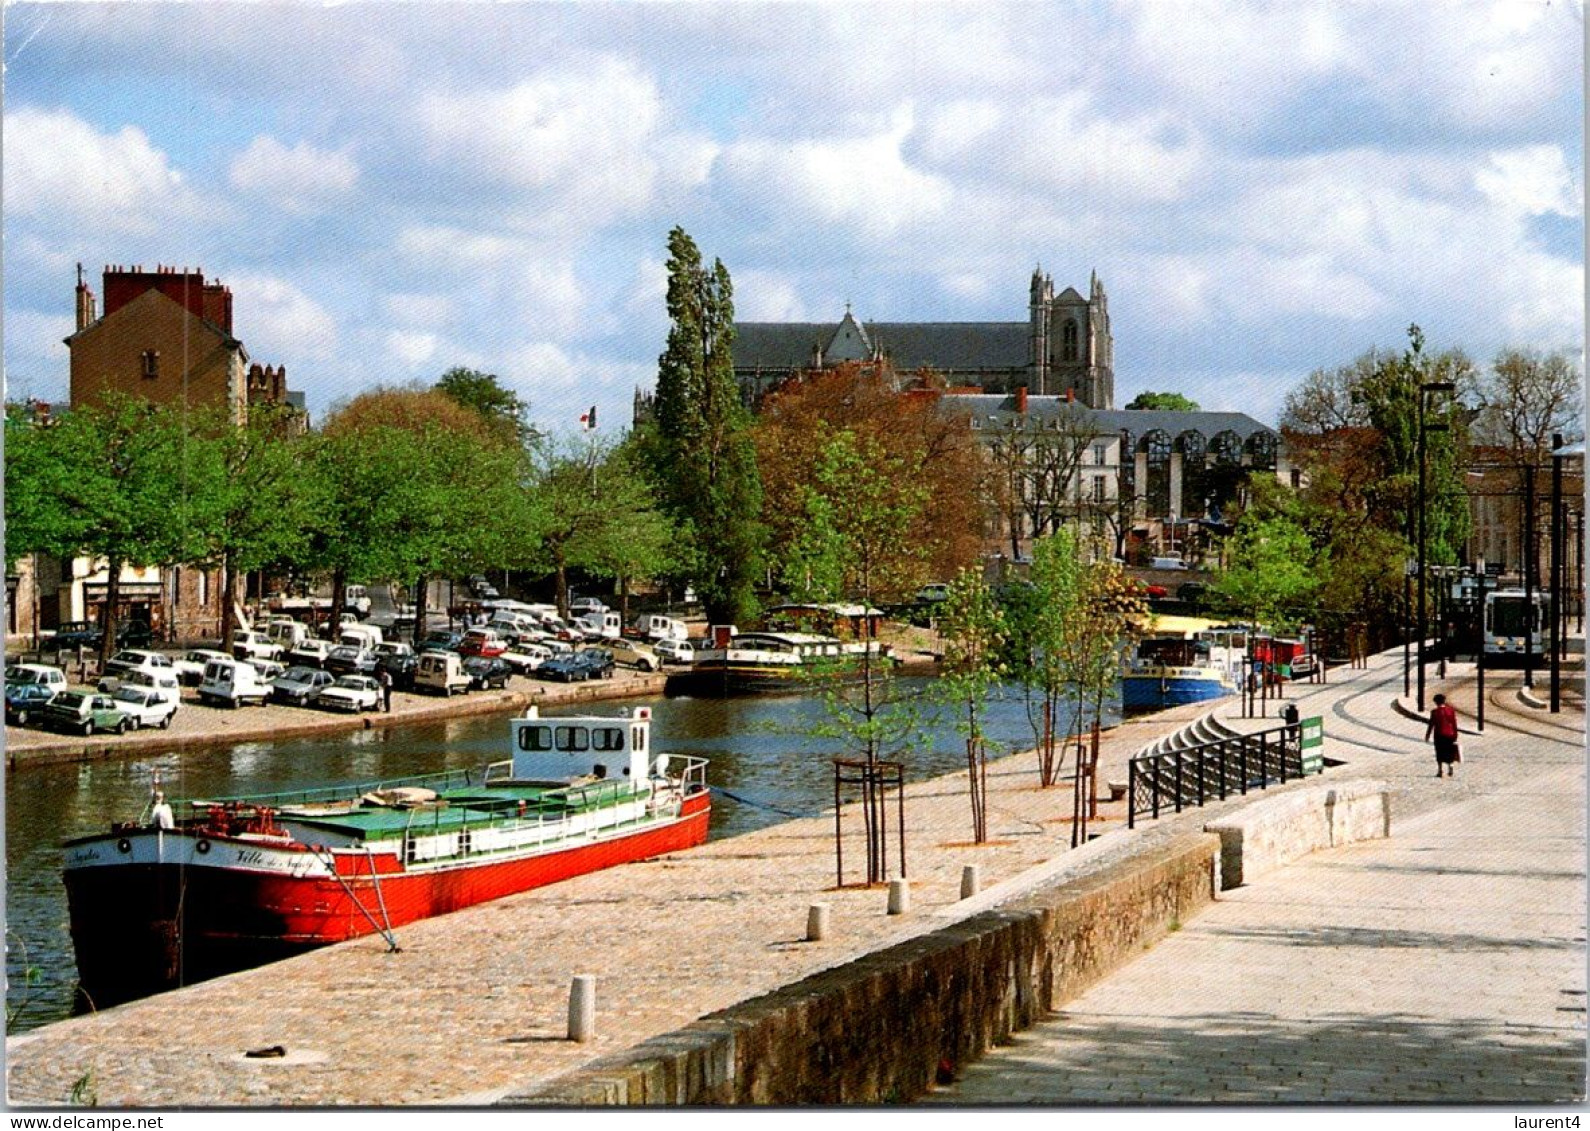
{"points": [[299, 179], [411, 348], [278, 322], [1532, 181], [63, 174], [762, 296], [418, 309], [862, 183]]}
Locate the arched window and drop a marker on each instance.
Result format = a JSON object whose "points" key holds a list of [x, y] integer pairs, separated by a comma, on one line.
{"points": [[1068, 340], [1156, 446], [1261, 451], [1193, 448], [1223, 472]]}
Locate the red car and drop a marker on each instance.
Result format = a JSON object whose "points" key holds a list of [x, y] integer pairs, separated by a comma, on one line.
{"points": [[1152, 592], [482, 642]]}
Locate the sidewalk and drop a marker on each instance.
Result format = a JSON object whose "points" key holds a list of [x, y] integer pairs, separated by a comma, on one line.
{"points": [[1445, 965]]}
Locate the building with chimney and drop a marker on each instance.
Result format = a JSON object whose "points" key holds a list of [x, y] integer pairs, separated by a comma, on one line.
{"points": [[164, 336]]}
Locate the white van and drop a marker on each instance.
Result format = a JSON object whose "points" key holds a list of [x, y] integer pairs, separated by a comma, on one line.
{"points": [[360, 636], [609, 626], [287, 632], [441, 671], [654, 627], [356, 599], [232, 682]]}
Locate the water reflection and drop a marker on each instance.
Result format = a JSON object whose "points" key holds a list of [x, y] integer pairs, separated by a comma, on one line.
{"points": [[763, 763]]}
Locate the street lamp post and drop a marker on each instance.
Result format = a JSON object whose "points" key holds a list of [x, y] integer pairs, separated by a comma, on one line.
{"points": [[1529, 572], [1554, 604], [1425, 389]]}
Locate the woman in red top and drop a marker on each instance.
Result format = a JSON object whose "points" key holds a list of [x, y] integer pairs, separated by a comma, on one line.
{"points": [[1443, 725]]}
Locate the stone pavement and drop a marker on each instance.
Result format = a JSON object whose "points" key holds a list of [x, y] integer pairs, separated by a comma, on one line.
{"points": [[1444, 965]]}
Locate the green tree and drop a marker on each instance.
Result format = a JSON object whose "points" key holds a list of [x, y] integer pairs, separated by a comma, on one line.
{"points": [[973, 627], [637, 541], [1273, 572], [1167, 402], [705, 461], [485, 394], [127, 482]]}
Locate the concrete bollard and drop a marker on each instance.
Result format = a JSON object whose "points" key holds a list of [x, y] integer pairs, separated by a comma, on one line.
{"points": [[582, 1008], [817, 916], [971, 880], [899, 897]]}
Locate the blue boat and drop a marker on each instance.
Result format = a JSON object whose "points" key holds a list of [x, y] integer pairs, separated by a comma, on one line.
{"points": [[1182, 660]]}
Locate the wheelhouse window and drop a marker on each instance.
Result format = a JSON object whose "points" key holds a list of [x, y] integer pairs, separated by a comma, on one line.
{"points": [[573, 739], [535, 738], [607, 738]]}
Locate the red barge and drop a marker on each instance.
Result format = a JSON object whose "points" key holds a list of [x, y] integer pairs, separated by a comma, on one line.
{"points": [[207, 887]]}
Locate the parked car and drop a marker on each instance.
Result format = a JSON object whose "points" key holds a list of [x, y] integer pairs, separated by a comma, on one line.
{"points": [[300, 686], [28, 688], [85, 712], [588, 663], [1169, 561], [133, 660], [640, 656], [440, 640], [482, 642], [78, 634], [268, 669], [352, 693], [651, 626], [162, 684], [232, 682], [356, 599], [1192, 592], [675, 651], [399, 662], [526, 657], [310, 653], [287, 632], [351, 659], [584, 605], [368, 635], [1152, 592], [190, 667], [933, 594], [486, 672], [441, 671], [604, 625], [247, 645], [144, 706]]}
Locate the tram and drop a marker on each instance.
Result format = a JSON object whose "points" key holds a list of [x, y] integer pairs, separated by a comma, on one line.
{"points": [[1512, 626]]}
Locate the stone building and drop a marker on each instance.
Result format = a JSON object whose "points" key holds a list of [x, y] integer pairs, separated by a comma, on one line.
{"points": [[1064, 347]]}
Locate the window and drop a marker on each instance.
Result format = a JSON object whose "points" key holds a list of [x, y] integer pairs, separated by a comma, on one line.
{"points": [[573, 738], [535, 738], [607, 738], [204, 587], [151, 360], [1100, 454], [1098, 489], [1068, 350]]}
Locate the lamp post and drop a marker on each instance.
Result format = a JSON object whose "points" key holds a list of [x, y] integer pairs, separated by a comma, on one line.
{"points": [[1528, 568], [1425, 389]]}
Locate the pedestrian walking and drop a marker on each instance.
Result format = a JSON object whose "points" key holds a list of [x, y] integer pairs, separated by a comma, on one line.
{"points": [[384, 678], [1443, 726], [1290, 715]]}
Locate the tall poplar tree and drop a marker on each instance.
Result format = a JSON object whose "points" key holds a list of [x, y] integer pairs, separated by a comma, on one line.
{"points": [[705, 461]]}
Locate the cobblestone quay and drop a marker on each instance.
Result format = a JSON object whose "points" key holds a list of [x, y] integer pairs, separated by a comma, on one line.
{"points": [[475, 1004]]}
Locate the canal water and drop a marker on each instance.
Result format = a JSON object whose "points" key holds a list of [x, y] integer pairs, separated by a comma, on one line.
{"points": [[765, 766]]}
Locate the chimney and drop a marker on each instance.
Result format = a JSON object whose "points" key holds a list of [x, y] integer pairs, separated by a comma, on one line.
{"points": [[1021, 399], [85, 302]]}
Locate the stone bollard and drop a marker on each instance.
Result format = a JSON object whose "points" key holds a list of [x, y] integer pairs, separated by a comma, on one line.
{"points": [[899, 897], [971, 880], [817, 916], [582, 1008]]}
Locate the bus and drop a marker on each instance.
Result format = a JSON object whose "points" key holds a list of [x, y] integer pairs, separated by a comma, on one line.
{"points": [[1510, 622]]}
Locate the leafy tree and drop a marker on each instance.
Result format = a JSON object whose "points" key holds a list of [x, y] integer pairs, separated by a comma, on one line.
{"points": [[418, 485], [1273, 573], [268, 498], [485, 393], [1038, 462], [934, 448], [705, 463], [1168, 402], [125, 482], [1526, 398], [973, 627]]}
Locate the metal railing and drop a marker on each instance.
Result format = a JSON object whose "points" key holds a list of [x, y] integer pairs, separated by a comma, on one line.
{"points": [[1213, 771]]}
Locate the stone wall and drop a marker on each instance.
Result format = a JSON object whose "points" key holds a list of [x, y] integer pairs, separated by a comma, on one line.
{"points": [[882, 1028], [1270, 833]]}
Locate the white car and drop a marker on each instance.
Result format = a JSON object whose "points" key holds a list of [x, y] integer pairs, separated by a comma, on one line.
{"points": [[269, 670], [254, 646], [526, 657], [311, 653], [133, 660], [144, 707], [586, 605], [675, 651], [190, 668], [163, 684], [352, 693]]}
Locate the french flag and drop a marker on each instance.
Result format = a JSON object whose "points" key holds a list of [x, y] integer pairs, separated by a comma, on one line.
{"points": [[588, 420]]}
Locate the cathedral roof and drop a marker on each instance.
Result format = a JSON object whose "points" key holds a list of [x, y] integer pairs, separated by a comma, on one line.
{"points": [[909, 345], [1110, 421]]}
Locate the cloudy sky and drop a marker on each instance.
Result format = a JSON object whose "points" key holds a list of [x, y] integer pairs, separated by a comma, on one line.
{"points": [[393, 190]]}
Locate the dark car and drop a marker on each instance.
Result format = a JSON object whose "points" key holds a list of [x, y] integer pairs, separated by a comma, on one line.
{"points": [[24, 700], [596, 661], [1192, 592], [400, 666], [574, 666], [87, 634], [351, 659], [440, 640], [486, 671]]}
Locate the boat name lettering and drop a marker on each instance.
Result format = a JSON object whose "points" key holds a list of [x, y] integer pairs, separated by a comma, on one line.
{"points": [[250, 856]]}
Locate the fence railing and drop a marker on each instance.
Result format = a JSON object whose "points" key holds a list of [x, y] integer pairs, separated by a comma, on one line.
{"points": [[1213, 771]]}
